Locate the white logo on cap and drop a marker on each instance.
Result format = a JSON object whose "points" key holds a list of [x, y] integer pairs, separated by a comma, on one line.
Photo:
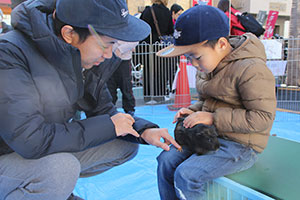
{"points": [[124, 13], [177, 34]]}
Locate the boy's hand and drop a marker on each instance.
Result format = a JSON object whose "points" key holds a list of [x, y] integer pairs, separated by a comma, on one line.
{"points": [[152, 136], [198, 117], [182, 111]]}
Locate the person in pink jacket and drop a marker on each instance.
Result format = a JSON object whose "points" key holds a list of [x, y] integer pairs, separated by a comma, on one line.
{"points": [[235, 26]]}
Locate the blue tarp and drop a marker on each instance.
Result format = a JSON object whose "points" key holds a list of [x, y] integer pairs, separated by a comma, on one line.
{"points": [[136, 179]]}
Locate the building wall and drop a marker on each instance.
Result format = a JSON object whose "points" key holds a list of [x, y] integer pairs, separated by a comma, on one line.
{"points": [[254, 6], [133, 5]]}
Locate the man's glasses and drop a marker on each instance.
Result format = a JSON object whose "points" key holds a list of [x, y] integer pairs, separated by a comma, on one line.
{"points": [[97, 36]]}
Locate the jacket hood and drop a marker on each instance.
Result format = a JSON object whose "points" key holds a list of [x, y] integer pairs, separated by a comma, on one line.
{"points": [[31, 16], [244, 47], [34, 19]]}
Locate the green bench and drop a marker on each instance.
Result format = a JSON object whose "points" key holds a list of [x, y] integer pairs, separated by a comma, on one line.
{"points": [[277, 171]]}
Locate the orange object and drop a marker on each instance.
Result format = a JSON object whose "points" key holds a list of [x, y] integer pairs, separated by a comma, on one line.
{"points": [[182, 96]]}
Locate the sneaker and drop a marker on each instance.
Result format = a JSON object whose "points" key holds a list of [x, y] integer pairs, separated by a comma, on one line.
{"points": [[73, 197], [172, 95], [167, 98], [151, 102]]}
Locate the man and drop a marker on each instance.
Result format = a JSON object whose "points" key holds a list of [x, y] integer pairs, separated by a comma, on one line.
{"points": [[44, 146], [4, 28]]}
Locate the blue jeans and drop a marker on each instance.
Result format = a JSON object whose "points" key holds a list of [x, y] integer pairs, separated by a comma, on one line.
{"points": [[183, 175]]}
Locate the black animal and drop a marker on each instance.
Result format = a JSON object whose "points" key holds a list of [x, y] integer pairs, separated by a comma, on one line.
{"points": [[199, 139]]}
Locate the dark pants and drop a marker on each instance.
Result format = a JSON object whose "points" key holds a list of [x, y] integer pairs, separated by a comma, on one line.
{"points": [[121, 78]]}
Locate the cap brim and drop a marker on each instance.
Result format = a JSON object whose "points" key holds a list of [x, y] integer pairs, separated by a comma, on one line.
{"points": [[136, 30], [172, 50]]}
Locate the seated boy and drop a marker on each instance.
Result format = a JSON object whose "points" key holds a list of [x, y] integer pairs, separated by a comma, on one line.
{"points": [[237, 95]]}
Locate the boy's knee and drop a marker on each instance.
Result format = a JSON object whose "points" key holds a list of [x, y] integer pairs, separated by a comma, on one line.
{"points": [[163, 158], [183, 177]]}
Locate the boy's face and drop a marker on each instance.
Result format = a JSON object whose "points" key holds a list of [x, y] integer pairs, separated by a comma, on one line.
{"points": [[207, 58]]}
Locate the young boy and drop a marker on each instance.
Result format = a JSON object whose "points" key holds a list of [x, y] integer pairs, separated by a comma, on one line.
{"points": [[237, 95]]}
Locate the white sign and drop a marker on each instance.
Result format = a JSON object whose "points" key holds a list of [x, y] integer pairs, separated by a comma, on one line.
{"points": [[273, 48], [277, 67]]}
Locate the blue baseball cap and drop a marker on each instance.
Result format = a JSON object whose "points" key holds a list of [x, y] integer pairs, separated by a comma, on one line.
{"points": [[108, 17], [196, 25]]}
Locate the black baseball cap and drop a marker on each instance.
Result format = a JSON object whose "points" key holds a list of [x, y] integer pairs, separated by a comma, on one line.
{"points": [[196, 25], [107, 17]]}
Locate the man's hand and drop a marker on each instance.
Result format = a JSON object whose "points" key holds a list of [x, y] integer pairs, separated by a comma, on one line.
{"points": [[123, 124], [182, 111], [198, 117], [152, 136]]}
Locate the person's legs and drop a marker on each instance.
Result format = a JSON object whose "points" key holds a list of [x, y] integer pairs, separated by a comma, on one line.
{"points": [[52, 177], [167, 164], [124, 79], [103, 157], [191, 176]]}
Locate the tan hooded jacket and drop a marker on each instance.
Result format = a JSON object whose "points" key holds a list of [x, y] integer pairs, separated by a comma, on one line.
{"points": [[240, 93]]}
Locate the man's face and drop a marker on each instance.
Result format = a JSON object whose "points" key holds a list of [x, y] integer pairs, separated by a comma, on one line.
{"points": [[93, 52]]}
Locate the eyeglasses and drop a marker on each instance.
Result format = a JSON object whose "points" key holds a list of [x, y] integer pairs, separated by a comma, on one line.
{"points": [[97, 36]]}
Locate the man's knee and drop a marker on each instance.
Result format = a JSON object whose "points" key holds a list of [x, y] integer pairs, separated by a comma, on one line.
{"points": [[129, 151], [61, 171]]}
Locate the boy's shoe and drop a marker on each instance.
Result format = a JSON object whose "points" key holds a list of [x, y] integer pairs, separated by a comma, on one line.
{"points": [[73, 197]]}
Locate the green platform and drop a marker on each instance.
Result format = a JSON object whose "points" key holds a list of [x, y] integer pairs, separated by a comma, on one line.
{"points": [[277, 171]]}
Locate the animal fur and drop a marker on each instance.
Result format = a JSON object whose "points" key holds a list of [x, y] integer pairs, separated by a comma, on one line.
{"points": [[199, 139]]}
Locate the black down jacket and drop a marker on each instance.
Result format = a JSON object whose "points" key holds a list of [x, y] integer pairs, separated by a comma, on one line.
{"points": [[42, 87]]}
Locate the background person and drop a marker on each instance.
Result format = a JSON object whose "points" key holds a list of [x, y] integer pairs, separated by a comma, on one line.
{"points": [[231, 99], [122, 78], [46, 78], [163, 17], [176, 11], [224, 5], [162, 75], [4, 28]]}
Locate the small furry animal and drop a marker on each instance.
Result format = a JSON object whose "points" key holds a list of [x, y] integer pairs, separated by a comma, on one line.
{"points": [[199, 139]]}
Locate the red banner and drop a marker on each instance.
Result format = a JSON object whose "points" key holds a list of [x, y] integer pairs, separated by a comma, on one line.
{"points": [[7, 2], [203, 2], [270, 25]]}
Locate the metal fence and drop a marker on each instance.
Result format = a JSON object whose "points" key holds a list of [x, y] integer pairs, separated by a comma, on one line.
{"points": [[286, 71], [153, 77], [225, 189]]}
